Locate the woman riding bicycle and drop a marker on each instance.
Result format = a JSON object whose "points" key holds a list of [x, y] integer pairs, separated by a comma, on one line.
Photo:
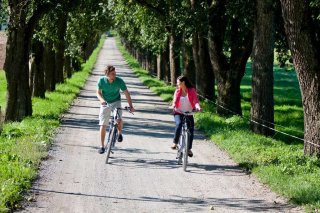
{"points": [[184, 100]]}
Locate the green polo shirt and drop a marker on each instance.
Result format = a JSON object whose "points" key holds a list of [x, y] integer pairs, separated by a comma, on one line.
{"points": [[111, 91]]}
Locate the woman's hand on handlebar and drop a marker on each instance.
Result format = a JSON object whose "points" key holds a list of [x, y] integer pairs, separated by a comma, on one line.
{"points": [[198, 109]]}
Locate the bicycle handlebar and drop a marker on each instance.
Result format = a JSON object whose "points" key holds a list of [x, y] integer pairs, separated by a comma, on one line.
{"points": [[127, 108], [188, 113]]}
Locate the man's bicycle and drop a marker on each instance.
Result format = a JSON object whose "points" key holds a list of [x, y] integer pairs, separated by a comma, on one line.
{"points": [[113, 131], [184, 140]]}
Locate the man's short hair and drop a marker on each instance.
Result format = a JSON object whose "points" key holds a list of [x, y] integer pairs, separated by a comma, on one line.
{"points": [[109, 69]]}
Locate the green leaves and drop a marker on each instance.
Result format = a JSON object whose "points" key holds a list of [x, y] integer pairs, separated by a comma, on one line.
{"points": [[139, 25], [3, 11]]}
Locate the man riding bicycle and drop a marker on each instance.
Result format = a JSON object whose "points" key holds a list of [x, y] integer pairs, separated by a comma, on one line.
{"points": [[108, 93]]}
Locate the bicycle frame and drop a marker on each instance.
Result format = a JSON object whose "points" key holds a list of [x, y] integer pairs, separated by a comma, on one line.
{"points": [[113, 130], [113, 124], [182, 153], [112, 133]]}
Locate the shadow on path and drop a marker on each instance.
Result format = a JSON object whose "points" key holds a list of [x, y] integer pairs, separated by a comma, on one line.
{"points": [[199, 203]]}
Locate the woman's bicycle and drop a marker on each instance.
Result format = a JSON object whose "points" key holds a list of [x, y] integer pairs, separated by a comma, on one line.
{"points": [[113, 131], [184, 140]]}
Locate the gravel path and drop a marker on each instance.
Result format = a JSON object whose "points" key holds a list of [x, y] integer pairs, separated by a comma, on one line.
{"points": [[143, 175]]}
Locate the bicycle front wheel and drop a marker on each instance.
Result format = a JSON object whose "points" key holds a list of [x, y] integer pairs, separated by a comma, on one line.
{"points": [[180, 149], [185, 151], [111, 142]]}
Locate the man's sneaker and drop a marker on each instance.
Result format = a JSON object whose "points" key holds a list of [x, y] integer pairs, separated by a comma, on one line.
{"points": [[120, 138], [190, 154], [174, 146], [101, 150]]}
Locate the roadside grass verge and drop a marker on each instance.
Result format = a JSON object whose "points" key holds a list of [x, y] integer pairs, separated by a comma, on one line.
{"points": [[278, 162], [24, 144], [3, 88]]}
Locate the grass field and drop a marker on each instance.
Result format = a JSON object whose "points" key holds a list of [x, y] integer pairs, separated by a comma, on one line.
{"points": [[24, 144], [277, 161]]}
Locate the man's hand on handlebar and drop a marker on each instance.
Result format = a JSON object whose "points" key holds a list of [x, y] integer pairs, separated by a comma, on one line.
{"points": [[130, 109]]}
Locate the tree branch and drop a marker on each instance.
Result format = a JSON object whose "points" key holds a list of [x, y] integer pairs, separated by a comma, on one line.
{"points": [[157, 10]]}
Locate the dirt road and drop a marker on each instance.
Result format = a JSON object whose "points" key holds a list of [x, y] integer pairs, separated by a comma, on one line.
{"points": [[143, 175]]}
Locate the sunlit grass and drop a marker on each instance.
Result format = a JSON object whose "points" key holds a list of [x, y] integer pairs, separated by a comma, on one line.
{"points": [[277, 161], [3, 89], [24, 144]]}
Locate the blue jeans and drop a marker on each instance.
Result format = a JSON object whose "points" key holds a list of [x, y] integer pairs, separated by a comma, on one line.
{"points": [[190, 124]]}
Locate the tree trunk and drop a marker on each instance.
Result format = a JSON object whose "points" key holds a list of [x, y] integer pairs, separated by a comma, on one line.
{"points": [[88, 47], [32, 71], [163, 68], [68, 66], [145, 60], [174, 58], [204, 74], [75, 64], [228, 72], [60, 48], [49, 67], [228, 84], [38, 74], [229, 98], [305, 49], [262, 104], [160, 67], [151, 63], [140, 57], [188, 62], [205, 77], [163, 65], [17, 73]]}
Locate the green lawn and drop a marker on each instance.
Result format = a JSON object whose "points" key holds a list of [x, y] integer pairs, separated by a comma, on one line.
{"points": [[277, 161], [287, 98], [24, 144]]}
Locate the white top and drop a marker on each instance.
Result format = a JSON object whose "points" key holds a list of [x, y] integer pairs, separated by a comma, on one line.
{"points": [[185, 105]]}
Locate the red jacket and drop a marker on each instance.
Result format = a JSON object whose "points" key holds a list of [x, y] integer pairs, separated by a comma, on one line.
{"points": [[192, 96]]}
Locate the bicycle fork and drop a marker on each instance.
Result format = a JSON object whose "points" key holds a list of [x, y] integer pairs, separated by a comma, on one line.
{"points": [[111, 126], [181, 145]]}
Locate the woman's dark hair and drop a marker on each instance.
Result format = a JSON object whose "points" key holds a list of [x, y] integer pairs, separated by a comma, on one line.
{"points": [[186, 81], [109, 69]]}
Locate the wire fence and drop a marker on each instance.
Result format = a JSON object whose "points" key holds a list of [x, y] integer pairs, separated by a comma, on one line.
{"points": [[263, 125]]}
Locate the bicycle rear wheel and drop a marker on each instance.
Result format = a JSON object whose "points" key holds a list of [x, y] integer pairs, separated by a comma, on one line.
{"points": [[111, 142], [185, 151]]}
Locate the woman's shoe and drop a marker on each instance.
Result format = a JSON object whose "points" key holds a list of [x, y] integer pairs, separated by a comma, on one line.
{"points": [[190, 154], [174, 146]]}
